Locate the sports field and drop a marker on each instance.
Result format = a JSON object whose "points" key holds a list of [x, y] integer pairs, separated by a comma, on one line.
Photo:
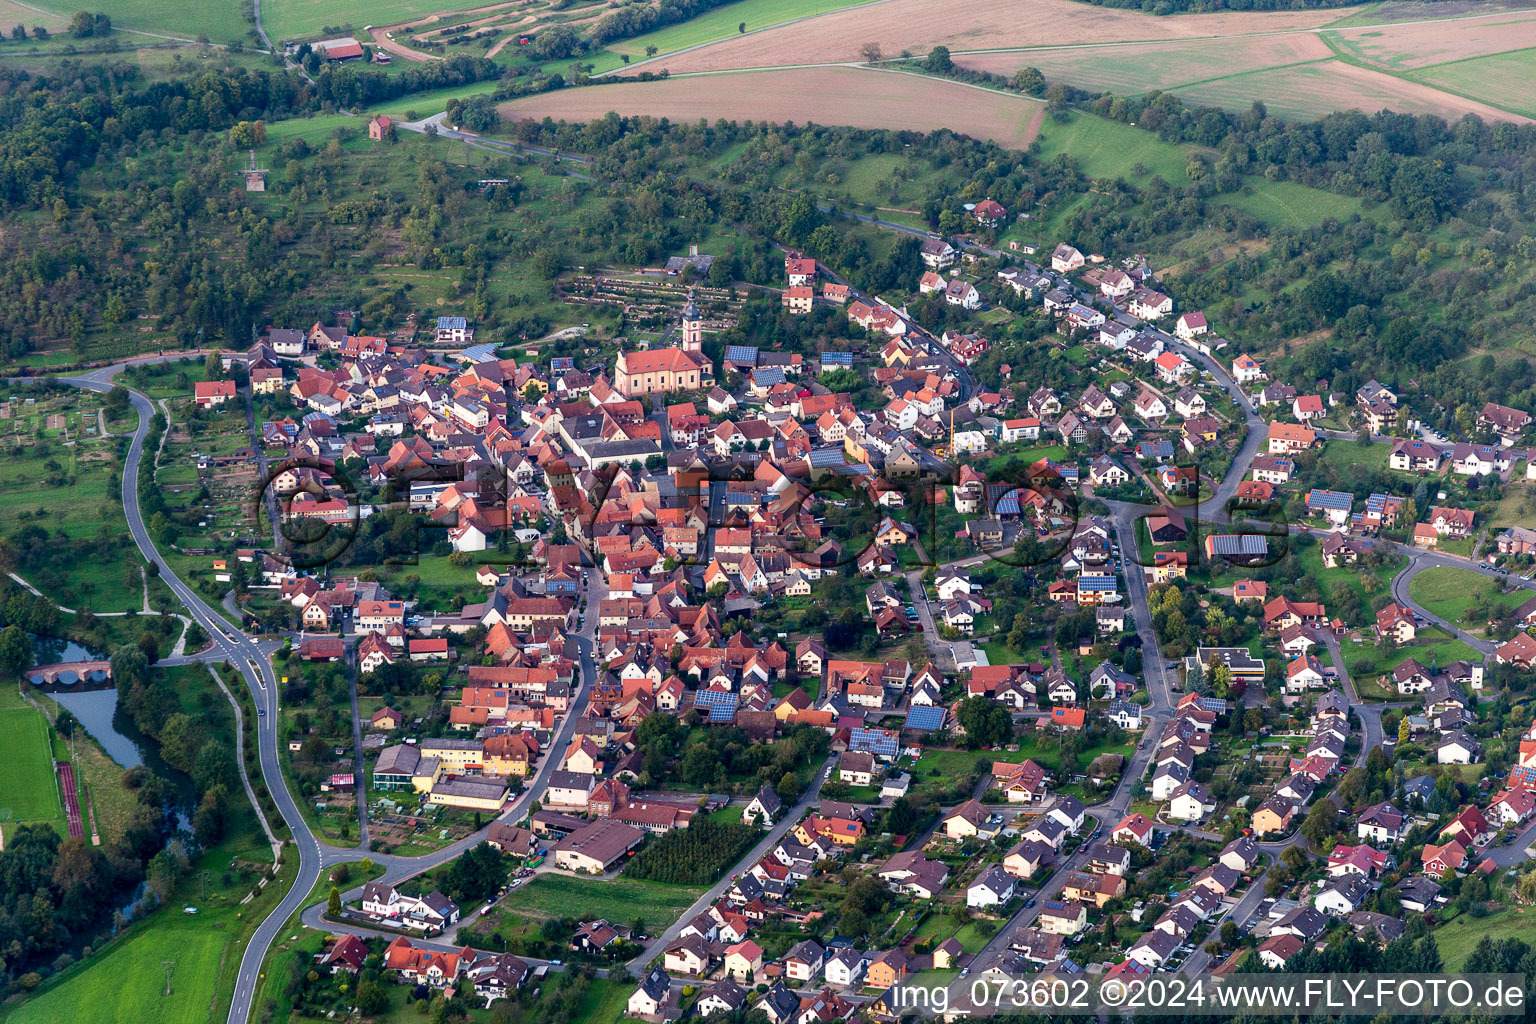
{"points": [[31, 793]]}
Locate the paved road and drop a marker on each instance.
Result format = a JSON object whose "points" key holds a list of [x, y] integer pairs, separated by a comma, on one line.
{"points": [[252, 659], [790, 818]]}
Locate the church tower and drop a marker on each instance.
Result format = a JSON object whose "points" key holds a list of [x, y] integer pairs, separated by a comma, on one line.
{"points": [[693, 328]]}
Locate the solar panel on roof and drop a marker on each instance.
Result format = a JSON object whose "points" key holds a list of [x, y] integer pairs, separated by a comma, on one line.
{"points": [[874, 741], [1333, 500], [837, 358], [451, 323], [1094, 584], [741, 354], [924, 718], [722, 713]]}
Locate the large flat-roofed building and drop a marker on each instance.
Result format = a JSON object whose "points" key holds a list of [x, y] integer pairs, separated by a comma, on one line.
{"points": [[656, 370], [478, 793], [597, 847]]}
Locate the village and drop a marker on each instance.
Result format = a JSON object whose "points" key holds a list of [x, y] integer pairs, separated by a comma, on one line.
{"points": [[900, 674]]}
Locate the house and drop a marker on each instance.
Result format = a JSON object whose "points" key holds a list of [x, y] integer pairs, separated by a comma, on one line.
{"points": [[1303, 674], [992, 888], [1277, 950], [971, 818], [1190, 326], [1190, 802], [1241, 854], [1088, 887], [743, 961], [1133, 828], [1066, 259], [1395, 623], [1418, 894], [803, 962], [989, 213], [960, 292], [1508, 423], [1440, 860], [724, 996], [1288, 438], [1381, 823], [1414, 456], [937, 253], [845, 967], [1246, 369], [213, 393], [1458, 748], [1153, 948], [1342, 896], [651, 996]]}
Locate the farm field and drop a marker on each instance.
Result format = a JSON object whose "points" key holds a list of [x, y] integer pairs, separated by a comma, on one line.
{"points": [[33, 792], [1450, 593], [618, 898], [305, 20], [1421, 44], [918, 25], [834, 96], [222, 21], [721, 23], [1506, 79], [1138, 67], [1309, 91]]}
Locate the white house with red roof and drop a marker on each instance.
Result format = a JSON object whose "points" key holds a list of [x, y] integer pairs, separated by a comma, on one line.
{"points": [[1190, 325]]}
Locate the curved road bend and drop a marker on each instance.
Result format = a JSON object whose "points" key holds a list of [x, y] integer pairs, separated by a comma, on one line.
{"points": [[251, 659]]}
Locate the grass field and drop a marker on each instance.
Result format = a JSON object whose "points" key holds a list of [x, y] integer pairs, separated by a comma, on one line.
{"points": [[222, 21], [1309, 91], [1506, 80], [1458, 938], [32, 794], [721, 23], [1441, 651], [1128, 68], [305, 19], [618, 898], [1449, 592], [127, 984], [1108, 149], [1288, 203]]}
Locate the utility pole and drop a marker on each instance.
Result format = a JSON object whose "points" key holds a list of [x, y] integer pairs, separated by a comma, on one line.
{"points": [[203, 875], [168, 965]]}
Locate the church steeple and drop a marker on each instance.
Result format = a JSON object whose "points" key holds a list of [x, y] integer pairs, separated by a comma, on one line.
{"points": [[693, 327]]}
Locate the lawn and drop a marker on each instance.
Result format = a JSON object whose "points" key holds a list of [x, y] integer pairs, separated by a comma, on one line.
{"points": [[619, 899], [32, 793], [1108, 149], [1365, 660], [950, 764], [1450, 593], [1348, 457]]}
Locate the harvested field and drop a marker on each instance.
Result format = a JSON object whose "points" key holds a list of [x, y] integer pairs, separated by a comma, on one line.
{"points": [[1507, 80], [1130, 68], [918, 25], [1313, 90], [1420, 45], [858, 98]]}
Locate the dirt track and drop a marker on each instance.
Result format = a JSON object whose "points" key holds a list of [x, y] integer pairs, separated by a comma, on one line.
{"points": [[830, 96]]}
